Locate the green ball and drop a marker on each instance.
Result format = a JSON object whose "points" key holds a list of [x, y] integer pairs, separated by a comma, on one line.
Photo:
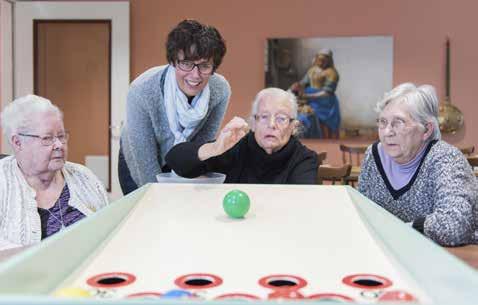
{"points": [[236, 204]]}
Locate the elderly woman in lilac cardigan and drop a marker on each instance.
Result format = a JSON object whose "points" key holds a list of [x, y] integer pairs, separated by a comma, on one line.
{"points": [[417, 177]]}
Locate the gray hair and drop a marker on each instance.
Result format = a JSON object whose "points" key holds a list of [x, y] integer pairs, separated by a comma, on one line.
{"points": [[422, 102], [278, 94], [17, 116]]}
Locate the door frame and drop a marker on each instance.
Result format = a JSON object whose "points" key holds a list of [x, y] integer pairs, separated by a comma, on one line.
{"points": [[6, 61], [118, 13]]}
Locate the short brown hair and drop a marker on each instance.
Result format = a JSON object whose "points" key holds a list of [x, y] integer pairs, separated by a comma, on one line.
{"points": [[197, 41]]}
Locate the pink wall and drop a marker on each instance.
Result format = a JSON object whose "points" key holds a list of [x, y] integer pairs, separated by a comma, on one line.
{"points": [[419, 29]]}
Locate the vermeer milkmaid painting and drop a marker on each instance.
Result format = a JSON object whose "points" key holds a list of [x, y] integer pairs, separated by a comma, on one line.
{"points": [[337, 81]]}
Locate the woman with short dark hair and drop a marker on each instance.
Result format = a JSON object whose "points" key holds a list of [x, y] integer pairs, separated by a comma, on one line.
{"points": [[182, 101]]}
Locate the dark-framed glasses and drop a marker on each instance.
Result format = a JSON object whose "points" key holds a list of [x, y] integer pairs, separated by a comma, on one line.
{"points": [[281, 120], [188, 66], [49, 140]]}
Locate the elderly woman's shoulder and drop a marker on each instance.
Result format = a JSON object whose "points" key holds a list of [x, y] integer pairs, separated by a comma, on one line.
{"points": [[6, 161], [6, 166], [446, 154], [8, 170], [442, 149], [76, 169], [5, 157]]}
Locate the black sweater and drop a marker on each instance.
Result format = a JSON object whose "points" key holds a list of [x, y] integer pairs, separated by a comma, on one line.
{"points": [[247, 162]]}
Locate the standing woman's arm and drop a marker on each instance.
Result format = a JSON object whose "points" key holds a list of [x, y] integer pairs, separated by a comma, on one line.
{"points": [[143, 157]]}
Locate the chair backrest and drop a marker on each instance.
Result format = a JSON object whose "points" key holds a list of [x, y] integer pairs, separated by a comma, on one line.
{"points": [[473, 161], [333, 173], [467, 151], [353, 153], [321, 156]]}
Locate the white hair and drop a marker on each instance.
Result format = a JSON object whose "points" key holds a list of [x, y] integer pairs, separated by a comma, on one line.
{"points": [[17, 116], [278, 94], [422, 102]]}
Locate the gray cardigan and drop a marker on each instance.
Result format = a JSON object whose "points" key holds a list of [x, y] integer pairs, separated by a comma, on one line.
{"points": [[146, 137], [441, 198]]}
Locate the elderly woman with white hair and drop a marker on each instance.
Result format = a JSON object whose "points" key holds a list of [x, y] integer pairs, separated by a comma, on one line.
{"points": [[40, 192], [269, 154], [416, 176]]}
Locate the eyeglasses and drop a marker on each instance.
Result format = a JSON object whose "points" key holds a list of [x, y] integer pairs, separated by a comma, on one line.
{"points": [[279, 119], [48, 140], [397, 124], [188, 66]]}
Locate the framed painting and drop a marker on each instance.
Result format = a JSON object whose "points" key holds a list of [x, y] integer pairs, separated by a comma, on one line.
{"points": [[337, 80]]}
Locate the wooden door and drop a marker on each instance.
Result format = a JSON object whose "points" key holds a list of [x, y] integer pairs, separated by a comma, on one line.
{"points": [[72, 69], [26, 13]]}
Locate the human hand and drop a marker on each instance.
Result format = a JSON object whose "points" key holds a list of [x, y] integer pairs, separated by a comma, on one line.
{"points": [[295, 86], [296, 89], [232, 133]]}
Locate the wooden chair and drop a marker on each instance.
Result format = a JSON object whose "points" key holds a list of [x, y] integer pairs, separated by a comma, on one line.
{"points": [[473, 161], [321, 156], [467, 151], [353, 155], [333, 173]]}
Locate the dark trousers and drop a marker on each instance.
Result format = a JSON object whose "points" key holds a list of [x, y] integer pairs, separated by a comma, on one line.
{"points": [[126, 181]]}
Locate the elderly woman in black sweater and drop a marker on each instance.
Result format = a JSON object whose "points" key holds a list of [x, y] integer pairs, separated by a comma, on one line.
{"points": [[269, 154]]}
